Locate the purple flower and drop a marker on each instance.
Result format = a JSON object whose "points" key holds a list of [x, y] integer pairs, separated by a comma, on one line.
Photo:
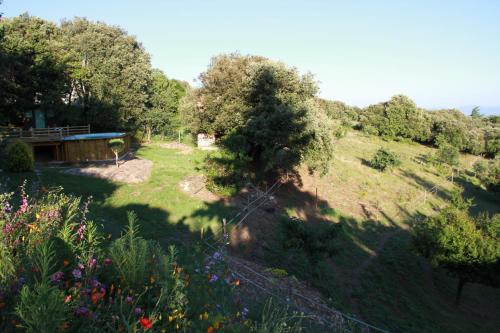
{"points": [[82, 311], [57, 276], [138, 311], [81, 267], [95, 284], [77, 274], [217, 256], [128, 300], [213, 278]]}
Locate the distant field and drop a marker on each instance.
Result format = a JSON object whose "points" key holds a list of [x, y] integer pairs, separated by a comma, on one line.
{"points": [[374, 274]]}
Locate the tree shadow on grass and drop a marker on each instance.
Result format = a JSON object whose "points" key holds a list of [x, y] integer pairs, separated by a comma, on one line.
{"points": [[362, 258]]}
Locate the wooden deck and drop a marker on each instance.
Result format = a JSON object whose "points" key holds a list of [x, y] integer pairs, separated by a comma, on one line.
{"points": [[52, 134]]}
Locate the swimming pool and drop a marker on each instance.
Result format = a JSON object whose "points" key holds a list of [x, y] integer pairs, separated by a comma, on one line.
{"points": [[94, 136]]}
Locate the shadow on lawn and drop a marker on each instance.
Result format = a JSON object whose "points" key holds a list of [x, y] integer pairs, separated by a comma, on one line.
{"points": [[357, 259]]}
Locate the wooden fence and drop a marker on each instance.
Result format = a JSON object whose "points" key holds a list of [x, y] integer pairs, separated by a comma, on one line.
{"points": [[51, 133]]}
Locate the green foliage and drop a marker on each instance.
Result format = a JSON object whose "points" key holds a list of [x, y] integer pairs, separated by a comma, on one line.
{"points": [[19, 157], [277, 320], [384, 160], [488, 172], [41, 308], [462, 245], [131, 254], [263, 112], [32, 73], [447, 154], [116, 145], [162, 115], [7, 265], [397, 118], [476, 112]]}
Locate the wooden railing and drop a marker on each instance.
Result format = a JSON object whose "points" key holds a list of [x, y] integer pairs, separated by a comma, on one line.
{"points": [[43, 133]]}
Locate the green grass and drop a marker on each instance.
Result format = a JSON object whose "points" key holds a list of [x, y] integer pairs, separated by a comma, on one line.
{"points": [[396, 290], [162, 209]]}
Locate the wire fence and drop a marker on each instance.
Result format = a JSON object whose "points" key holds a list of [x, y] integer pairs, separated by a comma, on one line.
{"points": [[331, 319]]}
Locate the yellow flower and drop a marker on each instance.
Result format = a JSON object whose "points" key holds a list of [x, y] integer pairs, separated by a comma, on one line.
{"points": [[152, 279], [204, 316], [170, 318], [37, 216]]}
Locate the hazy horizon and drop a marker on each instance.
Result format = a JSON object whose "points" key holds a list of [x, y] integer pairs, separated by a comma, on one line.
{"points": [[441, 54]]}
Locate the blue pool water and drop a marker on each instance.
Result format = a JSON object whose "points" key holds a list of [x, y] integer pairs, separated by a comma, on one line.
{"points": [[92, 136]]}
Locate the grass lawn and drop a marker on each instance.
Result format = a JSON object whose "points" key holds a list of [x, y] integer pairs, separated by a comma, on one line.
{"points": [[164, 211], [375, 273]]}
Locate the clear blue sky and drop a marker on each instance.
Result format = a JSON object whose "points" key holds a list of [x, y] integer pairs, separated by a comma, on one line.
{"points": [[440, 53]]}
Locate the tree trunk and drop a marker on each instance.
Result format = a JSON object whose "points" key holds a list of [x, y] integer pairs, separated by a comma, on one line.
{"points": [[116, 159], [460, 286], [148, 134]]}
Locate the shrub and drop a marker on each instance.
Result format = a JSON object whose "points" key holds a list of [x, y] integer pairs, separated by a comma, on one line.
{"points": [[43, 298], [19, 157], [384, 159], [116, 146], [447, 154]]}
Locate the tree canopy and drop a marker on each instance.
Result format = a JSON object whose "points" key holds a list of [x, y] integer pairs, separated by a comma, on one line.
{"points": [[465, 246], [264, 112], [82, 72]]}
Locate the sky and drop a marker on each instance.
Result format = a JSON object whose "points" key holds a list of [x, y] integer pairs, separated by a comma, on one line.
{"points": [[440, 53]]}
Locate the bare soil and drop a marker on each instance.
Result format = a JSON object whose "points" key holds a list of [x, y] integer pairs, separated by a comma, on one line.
{"points": [[134, 170]]}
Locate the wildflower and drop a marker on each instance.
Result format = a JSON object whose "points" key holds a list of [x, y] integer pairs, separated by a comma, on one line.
{"points": [[204, 316], [210, 329], [108, 261], [170, 318], [82, 311], [92, 263], [213, 278], [67, 299], [152, 279], [236, 282], [217, 256], [137, 311], [146, 323], [65, 262], [80, 266], [57, 276], [77, 274], [37, 216], [128, 300]]}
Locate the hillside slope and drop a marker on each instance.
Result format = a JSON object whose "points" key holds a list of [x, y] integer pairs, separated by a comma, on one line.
{"points": [[374, 272]]}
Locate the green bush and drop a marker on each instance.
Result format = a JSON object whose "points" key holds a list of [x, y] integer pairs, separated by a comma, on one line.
{"points": [[384, 159], [447, 154], [19, 157]]}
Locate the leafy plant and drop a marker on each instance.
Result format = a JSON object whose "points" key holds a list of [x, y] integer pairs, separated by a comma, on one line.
{"points": [[277, 320], [41, 308], [19, 157], [384, 159], [116, 146], [459, 243]]}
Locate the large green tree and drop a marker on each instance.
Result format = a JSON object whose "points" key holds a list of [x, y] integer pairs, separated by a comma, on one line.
{"points": [[397, 118], [264, 114], [467, 247], [32, 72], [110, 72], [162, 115]]}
